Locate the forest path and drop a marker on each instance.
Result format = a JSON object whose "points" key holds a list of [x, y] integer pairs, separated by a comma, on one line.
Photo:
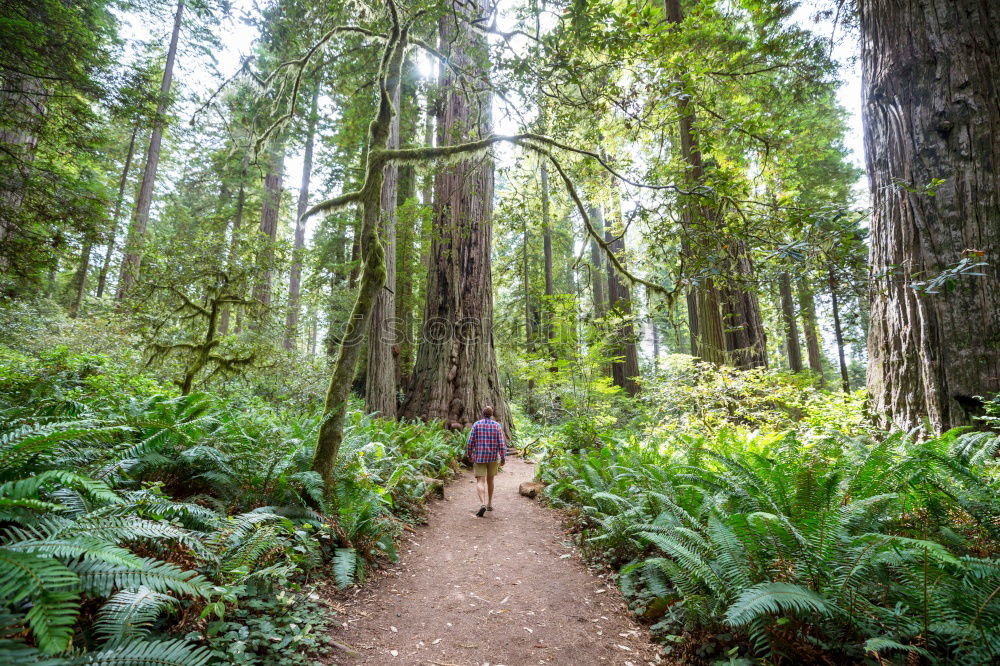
{"points": [[507, 589]]}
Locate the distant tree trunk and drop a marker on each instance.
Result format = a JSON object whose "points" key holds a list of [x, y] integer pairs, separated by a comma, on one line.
{"points": [[746, 340], [839, 334], [136, 240], [596, 215], [270, 208], [80, 277], [807, 308], [529, 334], [295, 276], [654, 330], [456, 374], [102, 277], [625, 367], [931, 73], [234, 245], [547, 252], [380, 377], [792, 347]]}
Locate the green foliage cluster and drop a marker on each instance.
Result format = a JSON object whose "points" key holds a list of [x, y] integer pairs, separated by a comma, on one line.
{"points": [[791, 535], [140, 527]]}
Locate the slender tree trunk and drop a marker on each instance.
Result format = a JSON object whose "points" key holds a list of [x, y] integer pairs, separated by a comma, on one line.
{"points": [[456, 373], [547, 251], [839, 334], [807, 307], [295, 276], [80, 277], [654, 330], [102, 277], [270, 210], [409, 230], [380, 377], [136, 240], [529, 334], [234, 244], [372, 278], [792, 347], [931, 73], [596, 214]]}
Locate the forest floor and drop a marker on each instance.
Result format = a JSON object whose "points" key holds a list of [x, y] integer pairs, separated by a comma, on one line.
{"points": [[507, 589]]}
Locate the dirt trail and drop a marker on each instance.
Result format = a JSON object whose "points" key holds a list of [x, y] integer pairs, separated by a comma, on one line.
{"points": [[507, 589]]}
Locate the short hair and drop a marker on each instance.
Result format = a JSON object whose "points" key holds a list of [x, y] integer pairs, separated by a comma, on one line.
{"points": [[487, 412]]}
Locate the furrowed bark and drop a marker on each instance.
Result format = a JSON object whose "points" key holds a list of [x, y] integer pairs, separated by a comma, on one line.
{"points": [[456, 374], [807, 308], [931, 73]]}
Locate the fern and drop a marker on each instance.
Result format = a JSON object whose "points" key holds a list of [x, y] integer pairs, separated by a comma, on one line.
{"points": [[128, 614], [773, 599], [345, 567], [148, 653]]}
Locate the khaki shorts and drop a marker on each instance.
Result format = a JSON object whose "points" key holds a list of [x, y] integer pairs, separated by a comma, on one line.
{"points": [[486, 469]]}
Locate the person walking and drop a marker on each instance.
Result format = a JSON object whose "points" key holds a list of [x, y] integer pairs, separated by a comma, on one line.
{"points": [[487, 451]]}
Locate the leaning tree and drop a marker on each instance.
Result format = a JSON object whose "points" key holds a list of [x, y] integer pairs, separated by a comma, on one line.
{"points": [[932, 139]]}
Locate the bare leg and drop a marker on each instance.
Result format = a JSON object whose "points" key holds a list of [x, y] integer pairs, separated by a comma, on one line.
{"points": [[489, 485], [481, 489]]}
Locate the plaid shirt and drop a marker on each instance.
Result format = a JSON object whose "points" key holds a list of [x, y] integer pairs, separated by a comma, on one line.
{"points": [[486, 442]]}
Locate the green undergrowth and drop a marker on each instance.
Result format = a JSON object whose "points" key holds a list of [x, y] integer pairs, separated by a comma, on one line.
{"points": [[792, 536], [138, 526]]}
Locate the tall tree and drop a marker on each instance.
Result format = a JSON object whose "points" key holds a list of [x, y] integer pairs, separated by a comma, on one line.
{"points": [[807, 309], [932, 139], [456, 374], [270, 211], [295, 277], [380, 372], [625, 364], [792, 347], [135, 242]]}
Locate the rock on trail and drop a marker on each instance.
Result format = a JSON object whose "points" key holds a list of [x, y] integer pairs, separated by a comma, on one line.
{"points": [[506, 590]]}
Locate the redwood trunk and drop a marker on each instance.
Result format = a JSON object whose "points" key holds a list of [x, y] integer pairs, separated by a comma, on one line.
{"points": [[932, 111], [380, 371], [456, 374], [625, 366], [807, 307], [792, 347], [136, 240], [596, 214], [269, 210], [838, 333], [295, 276]]}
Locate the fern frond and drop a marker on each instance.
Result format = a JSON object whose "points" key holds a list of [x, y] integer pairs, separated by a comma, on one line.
{"points": [[773, 599]]}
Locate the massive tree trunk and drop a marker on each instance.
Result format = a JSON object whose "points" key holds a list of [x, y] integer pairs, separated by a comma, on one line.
{"points": [[456, 374], [102, 277], [270, 208], [409, 231], [792, 347], [807, 308], [295, 276], [932, 111], [136, 239], [380, 371]]}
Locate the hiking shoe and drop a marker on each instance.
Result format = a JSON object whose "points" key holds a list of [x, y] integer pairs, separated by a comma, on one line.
{"points": [[489, 507], [481, 512]]}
